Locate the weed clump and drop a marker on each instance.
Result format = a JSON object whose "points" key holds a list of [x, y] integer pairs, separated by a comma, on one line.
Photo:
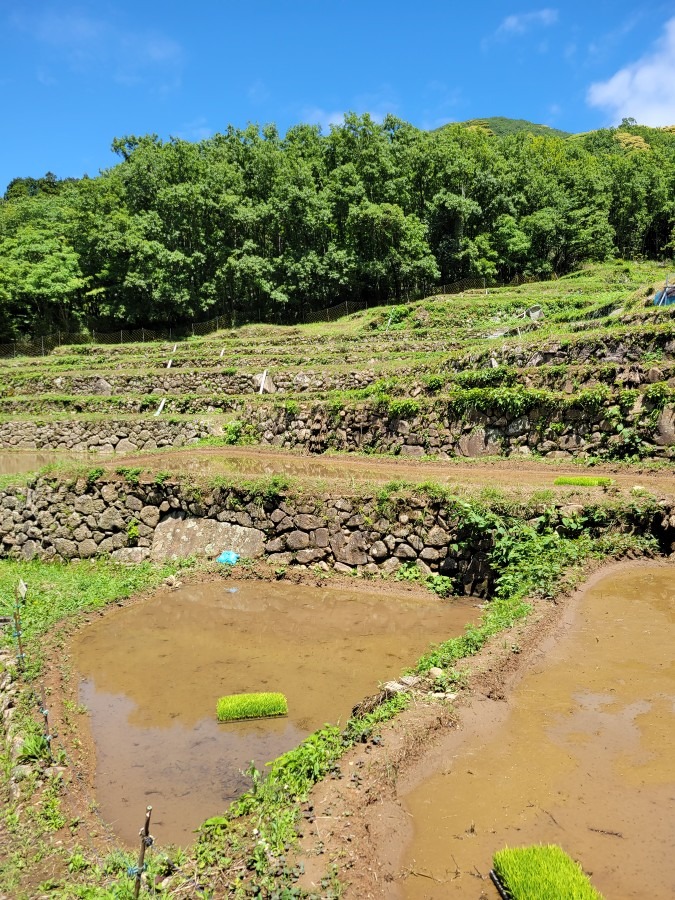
{"points": [[542, 873], [251, 706]]}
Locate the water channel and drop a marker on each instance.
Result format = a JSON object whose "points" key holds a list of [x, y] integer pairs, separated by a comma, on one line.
{"points": [[151, 674]]}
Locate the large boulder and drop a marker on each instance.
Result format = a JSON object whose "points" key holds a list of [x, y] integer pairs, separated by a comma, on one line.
{"points": [[177, 538], [478, 443], [664, 435], [351, 551], [268, 386]]}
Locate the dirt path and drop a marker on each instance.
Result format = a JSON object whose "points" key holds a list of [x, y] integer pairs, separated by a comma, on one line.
{"points": [[340, 469]]}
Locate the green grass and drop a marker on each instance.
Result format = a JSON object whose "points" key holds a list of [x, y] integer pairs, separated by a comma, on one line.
{"points": [[542, 873], [58, 590], [584, 480], [251, 706]]}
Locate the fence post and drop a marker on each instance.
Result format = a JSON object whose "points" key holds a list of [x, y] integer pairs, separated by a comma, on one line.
{"points": [[143, 335]]}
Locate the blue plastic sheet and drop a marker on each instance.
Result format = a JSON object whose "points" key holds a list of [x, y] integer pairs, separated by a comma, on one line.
{"points": [[228, 558]]}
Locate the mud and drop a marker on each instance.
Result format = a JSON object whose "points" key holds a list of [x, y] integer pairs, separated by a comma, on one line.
{"points": [[580, 756], [351, 468], [151, 674], [14, 462]]}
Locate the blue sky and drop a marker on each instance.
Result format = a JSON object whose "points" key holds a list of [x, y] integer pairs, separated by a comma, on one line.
{"points": [[75, 75]]}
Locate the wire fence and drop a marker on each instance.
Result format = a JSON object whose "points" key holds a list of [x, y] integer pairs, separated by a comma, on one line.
{"points": [[42, 346], [430, 290], [336, 312]]}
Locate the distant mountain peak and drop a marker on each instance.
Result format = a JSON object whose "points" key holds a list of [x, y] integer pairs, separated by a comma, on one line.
{"points": [[501, 126]]}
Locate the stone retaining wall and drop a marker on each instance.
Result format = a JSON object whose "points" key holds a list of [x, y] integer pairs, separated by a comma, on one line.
{"points": [[117, 435], [542, 370], [170, 382], [432, 431], [131, 523], [364, 535]]}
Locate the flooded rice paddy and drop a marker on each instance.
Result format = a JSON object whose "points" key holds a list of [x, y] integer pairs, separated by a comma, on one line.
{"points": [[15, 462], [150, 675], [584, 758], [351, 468]]}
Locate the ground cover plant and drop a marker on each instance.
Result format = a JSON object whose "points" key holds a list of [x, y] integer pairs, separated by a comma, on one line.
{"points": [[542, 873], [251, 706]]}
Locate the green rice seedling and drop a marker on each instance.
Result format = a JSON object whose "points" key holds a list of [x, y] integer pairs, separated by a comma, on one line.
{"points": [[585, 480], [542, 873], [251, 706]]}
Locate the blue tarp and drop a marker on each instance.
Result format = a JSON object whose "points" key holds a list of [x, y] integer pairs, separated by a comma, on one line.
{"points": [[666, 297]]}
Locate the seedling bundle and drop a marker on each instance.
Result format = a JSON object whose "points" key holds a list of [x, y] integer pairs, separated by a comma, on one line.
{"points": [[251, 706], [540, 873]]}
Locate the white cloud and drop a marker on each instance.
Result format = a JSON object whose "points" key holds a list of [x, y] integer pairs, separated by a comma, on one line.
{"points": [[89, 44], [521, 23], [196, 130], [315, 115], [643, 90]]}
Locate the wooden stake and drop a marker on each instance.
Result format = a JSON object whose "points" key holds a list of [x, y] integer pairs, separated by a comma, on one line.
{"points": [[17, 635], [45, 714], [146, 841]]}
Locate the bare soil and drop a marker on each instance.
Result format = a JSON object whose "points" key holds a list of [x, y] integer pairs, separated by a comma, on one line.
{"points": [[340, 470]]}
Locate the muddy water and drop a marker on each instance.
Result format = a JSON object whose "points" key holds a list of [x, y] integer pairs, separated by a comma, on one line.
{"points": [[13, 462], [151, 674], [256, 461], [584, 758]]}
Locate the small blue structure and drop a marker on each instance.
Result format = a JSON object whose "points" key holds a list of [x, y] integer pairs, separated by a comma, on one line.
{"points": [[666, 297]]}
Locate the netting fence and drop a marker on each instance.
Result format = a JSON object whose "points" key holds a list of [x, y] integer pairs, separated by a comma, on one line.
{"points": [[41, 346], [336, 312]]}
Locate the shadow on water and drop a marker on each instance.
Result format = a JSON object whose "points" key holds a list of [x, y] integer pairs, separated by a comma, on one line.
{"points": [[151, 674]]}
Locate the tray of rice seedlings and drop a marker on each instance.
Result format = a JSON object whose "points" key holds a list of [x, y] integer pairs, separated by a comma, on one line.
{"points": [[585, 480], [540, 873], [235, 707]]}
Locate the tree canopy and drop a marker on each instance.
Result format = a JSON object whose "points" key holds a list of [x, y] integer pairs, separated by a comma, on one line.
{"points": [[255, 226]]}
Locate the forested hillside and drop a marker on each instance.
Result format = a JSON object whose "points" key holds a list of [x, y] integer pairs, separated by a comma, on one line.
{"points": [[252, 225], [502, 126]]}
